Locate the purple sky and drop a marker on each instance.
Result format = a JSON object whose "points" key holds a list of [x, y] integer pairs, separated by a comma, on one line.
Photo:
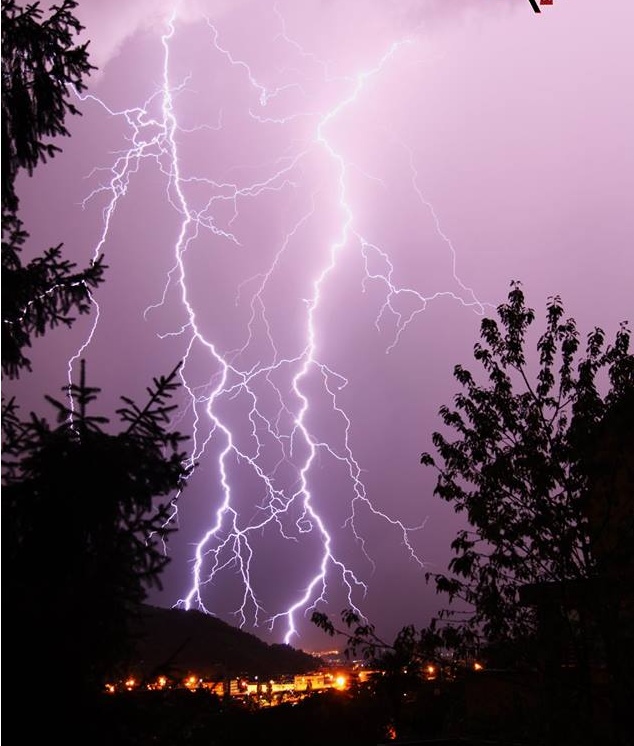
{"points": [[314, 202]]}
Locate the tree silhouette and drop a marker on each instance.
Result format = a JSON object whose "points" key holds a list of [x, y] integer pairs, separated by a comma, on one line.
{"points": [[517, 465], [85, 504], [39, 66], [537, 452], [85, 535]]}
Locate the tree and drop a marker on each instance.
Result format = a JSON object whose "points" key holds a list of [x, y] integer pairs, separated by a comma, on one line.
{"points": [[517, 465], [362, 639], [86, 507], [39, 66], [537, 452], [85, 536]]}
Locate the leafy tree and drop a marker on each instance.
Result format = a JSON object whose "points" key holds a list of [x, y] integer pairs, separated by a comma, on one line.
{"points": [[39, 64], [362, 639], [85, 535], [517, 464], [411, 680], [407, 659], [536, 452]]}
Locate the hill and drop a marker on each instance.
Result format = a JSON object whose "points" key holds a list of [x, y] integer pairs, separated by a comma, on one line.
{"points": [[176, 642]]}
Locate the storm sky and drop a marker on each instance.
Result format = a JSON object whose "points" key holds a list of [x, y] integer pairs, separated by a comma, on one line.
{"points": [[313, 204]]}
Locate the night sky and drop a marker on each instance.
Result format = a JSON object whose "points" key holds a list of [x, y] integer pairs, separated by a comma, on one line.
{"points": [[313, 204]]}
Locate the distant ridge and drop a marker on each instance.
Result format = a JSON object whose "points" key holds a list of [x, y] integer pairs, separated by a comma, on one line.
{"points": [[177, 642]]}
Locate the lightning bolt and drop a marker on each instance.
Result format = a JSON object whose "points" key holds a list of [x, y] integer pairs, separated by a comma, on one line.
{"points": [[255, 414]]}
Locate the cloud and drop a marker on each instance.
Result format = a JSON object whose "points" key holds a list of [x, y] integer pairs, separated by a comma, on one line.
{"points": [[109, 25]]}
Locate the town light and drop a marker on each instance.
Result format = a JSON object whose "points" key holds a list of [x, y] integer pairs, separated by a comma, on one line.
{"points": [[191, 682]]}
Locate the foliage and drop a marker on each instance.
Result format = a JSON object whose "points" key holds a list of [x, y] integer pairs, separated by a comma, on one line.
{"points": [[536, 452], [360, 635], [412, 648], [86, 537], [86, 506], [409, 683], [38, 296], [39, 65], [517, 463]]}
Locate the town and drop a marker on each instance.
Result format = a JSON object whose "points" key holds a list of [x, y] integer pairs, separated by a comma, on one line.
{"points": [[338, 674]]}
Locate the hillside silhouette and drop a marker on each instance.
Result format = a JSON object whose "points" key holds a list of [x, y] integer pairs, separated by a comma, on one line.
{"points": [[177, 642]]}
